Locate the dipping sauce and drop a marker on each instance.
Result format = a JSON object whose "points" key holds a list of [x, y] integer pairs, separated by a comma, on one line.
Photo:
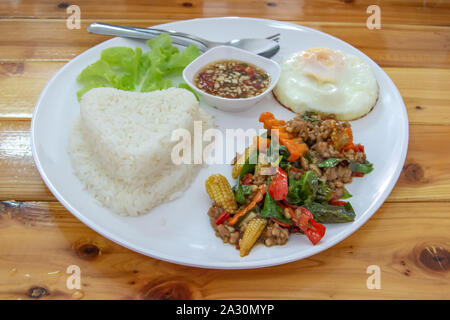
{"points": [[232, 79]]}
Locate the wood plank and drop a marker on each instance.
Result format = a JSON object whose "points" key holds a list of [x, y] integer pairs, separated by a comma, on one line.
{"points": [[21, 84], [425, 91], [430, 12], [412, 253], [394, 45], [425, 176], [19, 178]]}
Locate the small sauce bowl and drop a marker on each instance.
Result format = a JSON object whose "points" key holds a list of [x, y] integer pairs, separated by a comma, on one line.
{"points": [[230, 53]]}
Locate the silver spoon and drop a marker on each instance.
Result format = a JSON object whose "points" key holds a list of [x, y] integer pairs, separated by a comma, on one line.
{"points": [[264, 47]]}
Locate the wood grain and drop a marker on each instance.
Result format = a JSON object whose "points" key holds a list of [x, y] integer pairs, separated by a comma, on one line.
{"points": [[393, 45], [19, 178], [425, 91], [425, 176], [412, 254], [430, 12], [407, 238]]}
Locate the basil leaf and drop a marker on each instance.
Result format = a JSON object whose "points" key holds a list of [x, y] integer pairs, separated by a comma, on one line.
{"points": [[309, 187], [329, 163], [293, 196], [326, 213], [346, 195], [324, 192], [250, 163], [361, 167], [241, 191], [303, 189], [272, 210]]}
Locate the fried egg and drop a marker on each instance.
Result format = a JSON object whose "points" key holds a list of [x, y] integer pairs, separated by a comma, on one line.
{"points": [[327, 81]]}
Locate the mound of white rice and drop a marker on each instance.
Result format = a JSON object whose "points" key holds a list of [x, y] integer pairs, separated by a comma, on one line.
{"points": [[120, 146]]}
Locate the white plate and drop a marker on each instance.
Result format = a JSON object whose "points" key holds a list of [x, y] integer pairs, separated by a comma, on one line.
{"points": [[179, 231]]}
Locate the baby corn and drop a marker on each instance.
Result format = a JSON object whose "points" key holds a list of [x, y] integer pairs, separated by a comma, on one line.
{"points": [[219, 190], [252, 232]]}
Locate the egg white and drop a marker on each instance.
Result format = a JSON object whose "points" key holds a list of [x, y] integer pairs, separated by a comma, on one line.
{"points": [[327, 81]]}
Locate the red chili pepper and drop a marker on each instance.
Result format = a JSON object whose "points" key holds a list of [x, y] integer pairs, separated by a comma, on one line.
{"points": [[294, 169], [247, 179], [357, 174], [335, 201], [284, 206], [239, 68], [222, 217], [315, 232], [360, 147], [290, 205], [250, 72], [278, 187], [312, 229], [206, 80], [281, 223], [294, 229]]}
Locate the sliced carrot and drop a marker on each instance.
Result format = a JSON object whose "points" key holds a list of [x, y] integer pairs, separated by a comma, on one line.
{"points": [[294, 145], [257, 198], [349, 133]]}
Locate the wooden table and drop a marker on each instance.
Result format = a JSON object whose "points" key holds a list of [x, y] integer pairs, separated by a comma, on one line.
{"points": [[408, 238]]}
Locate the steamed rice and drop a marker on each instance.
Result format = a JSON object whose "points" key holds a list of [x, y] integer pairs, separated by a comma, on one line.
{"points": [[120, 146]]}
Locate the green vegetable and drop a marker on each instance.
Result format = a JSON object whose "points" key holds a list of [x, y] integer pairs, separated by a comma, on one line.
{"points": [[249, 167], [132, 70], [330, 162], [250, 163], [309, 188], [272, 210], [309, 185], [241, 191], [303, 189], [307, 116], [293, 196], [248, 216], [307, 156], [361, 167], [275, 150], [325, 213], [324, 193], [346, 195]]}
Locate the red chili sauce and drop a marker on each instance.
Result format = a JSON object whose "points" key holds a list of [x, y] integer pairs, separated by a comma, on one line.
{"points": [[232, 79]]}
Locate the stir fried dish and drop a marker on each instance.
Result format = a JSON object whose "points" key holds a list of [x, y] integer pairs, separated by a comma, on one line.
{"points": [[290, 180]]}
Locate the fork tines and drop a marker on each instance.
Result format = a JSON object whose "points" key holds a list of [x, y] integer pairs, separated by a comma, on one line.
{"points": [[275, 37]]}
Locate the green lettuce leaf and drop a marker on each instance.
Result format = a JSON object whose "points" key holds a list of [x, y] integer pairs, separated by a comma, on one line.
{"points": [[132, 70]]}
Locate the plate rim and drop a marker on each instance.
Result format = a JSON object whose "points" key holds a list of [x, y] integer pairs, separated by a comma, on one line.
{"points": [[223, 265]]}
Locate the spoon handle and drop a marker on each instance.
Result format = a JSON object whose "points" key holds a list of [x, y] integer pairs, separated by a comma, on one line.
{"points": [[180, 38]]}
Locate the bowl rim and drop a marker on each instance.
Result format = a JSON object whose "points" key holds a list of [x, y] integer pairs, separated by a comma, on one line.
{"points": [[274, 77]]}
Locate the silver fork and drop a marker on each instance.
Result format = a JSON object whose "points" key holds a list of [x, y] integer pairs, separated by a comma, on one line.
{"points": [[265, 47]]}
